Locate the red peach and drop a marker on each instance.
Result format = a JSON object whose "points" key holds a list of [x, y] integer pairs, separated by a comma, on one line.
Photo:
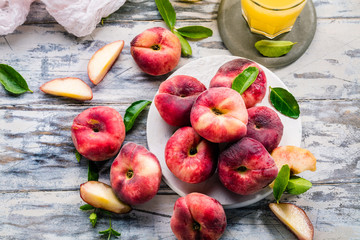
{"points": [[189, 157], [246, 167], [230, 70], [198, 216], [98, 133], [135, 174], [156, 51], [265, 126], [219, 115], [175, 98]]}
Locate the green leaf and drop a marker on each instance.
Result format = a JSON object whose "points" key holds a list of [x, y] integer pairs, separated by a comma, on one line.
{"points": [[195, 32], [245, 79], [167, 12], [93, 172], [93, 219], [12, 80], [185, 46], [77, 155], [298, 185], [110, 231], [273, 48], [284, 102], [133, 112], [86, 207], [281, 182]]}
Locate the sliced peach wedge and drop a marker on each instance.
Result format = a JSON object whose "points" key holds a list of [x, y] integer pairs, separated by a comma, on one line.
{"points": [[294, 218], [298, 159], [68, 87], [101, 195], [103, 59]]}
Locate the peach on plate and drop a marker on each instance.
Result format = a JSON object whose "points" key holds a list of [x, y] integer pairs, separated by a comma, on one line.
{"points": [[156, 51], [219, 115], [135, 174], [175, 98], [198, 216], [265, 126], [246, 167], [98, 133], [230, 70], [189, 157]]}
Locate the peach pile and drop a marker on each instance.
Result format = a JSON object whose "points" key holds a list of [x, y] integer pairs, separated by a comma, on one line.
{"points": [[220, 115]]}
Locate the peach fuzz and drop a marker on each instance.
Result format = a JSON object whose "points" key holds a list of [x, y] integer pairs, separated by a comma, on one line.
{"points": [[219, 115], [175, 98], [156, 51], [198, 216], [135, 174], [230, 70], [246, 167], [98, 133], [189, 157], [265, 126]]}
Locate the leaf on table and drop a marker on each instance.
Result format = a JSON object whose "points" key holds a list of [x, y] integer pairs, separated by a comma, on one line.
{"points": [[133, 111], [195, 32], [298, 185], [185, 46], [284, 102], [12, 80], [245, 79], [167, 12], [281, 182], [86, 207], [93, 219], [93, 172]]}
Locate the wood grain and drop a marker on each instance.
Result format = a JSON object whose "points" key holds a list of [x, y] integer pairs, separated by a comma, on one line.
{"points": [[40, 176]]}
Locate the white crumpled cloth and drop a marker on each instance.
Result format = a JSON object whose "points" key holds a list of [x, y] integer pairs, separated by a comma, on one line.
{"points": [[78, 17]]}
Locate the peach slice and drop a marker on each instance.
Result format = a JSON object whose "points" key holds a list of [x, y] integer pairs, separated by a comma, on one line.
{"points": [[103, 59], [68, 87], [294, 218], [101, 195], [298, 159]]}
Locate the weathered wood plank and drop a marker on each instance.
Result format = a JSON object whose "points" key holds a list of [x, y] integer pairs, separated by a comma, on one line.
{"points": [[202, 10], [49, 215], [331, 74], [48, 160]]}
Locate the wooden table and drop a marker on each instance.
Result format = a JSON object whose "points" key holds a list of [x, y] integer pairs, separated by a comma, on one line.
{"points": [[40, 177]]}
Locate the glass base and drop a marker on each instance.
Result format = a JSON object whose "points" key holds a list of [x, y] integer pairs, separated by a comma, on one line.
{"points": [[268, 35]]}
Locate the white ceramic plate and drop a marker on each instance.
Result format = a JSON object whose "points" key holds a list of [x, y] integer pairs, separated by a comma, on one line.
{"points": [[158, 132]]}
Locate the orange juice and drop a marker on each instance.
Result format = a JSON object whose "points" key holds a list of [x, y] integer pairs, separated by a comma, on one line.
{"points": [[271, 17]]}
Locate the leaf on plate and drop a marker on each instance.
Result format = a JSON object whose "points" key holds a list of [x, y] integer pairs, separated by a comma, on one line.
{"points": [[281, 182], [12, 80], [93, 219], [273, 48], [195, 32], [284, 102], [298, 185], [78, 156], [167, 12], [133, 112], [245, 79]]}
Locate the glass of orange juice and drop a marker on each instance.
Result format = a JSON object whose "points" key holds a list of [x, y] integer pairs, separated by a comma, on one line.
{"points": [[271, 17]]}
